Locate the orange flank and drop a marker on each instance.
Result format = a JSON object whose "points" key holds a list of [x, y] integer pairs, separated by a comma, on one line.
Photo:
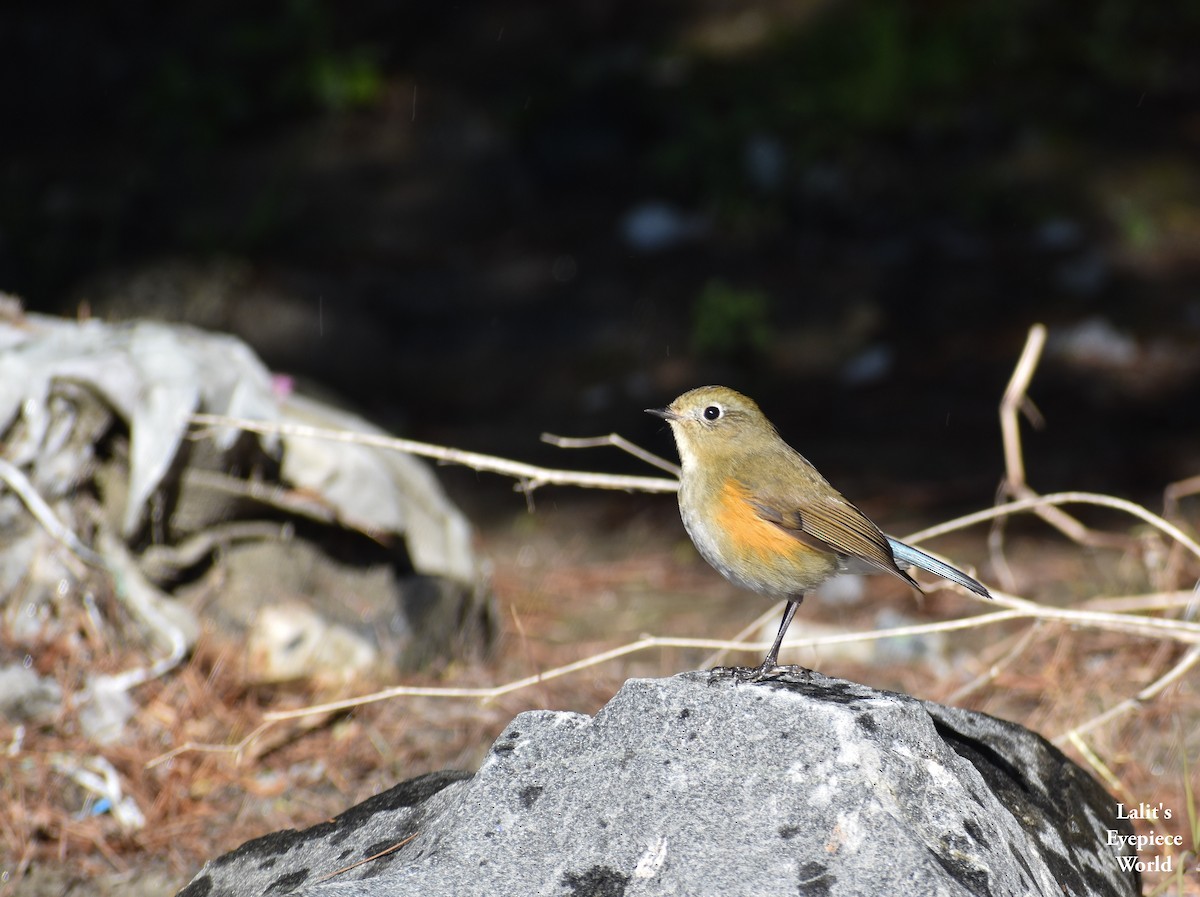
{"points": [[746, 532]]}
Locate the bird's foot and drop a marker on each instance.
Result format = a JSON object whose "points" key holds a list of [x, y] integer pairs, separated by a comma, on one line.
{"points": [[760, 673], [716, 674]]}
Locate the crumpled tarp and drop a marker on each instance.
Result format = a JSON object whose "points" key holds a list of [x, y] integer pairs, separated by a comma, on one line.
{"points": [[154, 376], [67, 386]]}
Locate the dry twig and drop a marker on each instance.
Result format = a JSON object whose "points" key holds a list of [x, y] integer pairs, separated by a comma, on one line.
{"points": [[613, 439], [529, 476], [1015, 401]]}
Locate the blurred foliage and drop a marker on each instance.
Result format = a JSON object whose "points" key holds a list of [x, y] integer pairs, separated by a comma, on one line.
{"points": [[225, 71], [857, 75], [1154, 206], [730, 322], [346, 81], [890, 119]]}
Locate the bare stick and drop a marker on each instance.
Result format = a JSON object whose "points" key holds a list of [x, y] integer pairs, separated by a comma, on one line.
{"points": [[1015, 397], [530, 476], [996, 667], [1016, 400], [133, 590], [1181, 631], [40, 509], [145, 601], [206, 748], [1101, 767], [758, 623], [1138, 603], [1001, 569], [1172, 495], [1176, 491], [336, 872], [1060, 498], [617, 440], [1173, 629], [1190, 658]]}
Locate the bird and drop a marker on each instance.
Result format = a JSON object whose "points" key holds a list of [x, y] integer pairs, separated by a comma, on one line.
{"points": [[766, 519]]}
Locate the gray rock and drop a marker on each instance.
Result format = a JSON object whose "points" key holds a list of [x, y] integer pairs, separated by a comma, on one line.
{"points": [[27, 697], [290, 862], [802, 784]]}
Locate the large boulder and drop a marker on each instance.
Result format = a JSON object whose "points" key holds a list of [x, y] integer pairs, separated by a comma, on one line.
{"points": [[700, 785]]}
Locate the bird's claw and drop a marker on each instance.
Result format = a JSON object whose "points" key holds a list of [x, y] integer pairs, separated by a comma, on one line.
{"points": [[760, 673]]}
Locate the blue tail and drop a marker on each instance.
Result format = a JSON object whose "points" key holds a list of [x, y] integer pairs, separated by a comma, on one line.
{"points": [[906, 556]]}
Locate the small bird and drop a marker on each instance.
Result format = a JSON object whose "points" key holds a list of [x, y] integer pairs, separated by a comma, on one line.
{"points": [[763, 516]]}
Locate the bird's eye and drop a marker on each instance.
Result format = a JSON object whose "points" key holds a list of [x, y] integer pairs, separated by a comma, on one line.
{"points": [[712, 412]]}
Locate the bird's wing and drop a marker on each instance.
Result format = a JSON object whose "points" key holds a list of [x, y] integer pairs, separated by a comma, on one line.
{"points": [[831, 523]]}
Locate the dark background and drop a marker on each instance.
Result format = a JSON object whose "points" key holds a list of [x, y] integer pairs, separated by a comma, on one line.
{"points": [[427, 210]]}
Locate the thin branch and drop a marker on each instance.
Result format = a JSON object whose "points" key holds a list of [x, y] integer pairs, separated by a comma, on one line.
{"points": [[1139, 603], [40, 509], [616, 440], [1016, 400], [129, 586], [1059, 498], [336, 872], [1015, 397], [746, 631], [1134, 624], [144, 601], [997, 666], [1100, 766], [1190, 658], [530, 476], [207, 748], [1175, 492], [1188, 633], [1001, 569]]}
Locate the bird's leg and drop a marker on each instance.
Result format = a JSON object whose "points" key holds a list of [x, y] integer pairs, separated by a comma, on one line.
{"points": [[772, 659], [771, 663]]}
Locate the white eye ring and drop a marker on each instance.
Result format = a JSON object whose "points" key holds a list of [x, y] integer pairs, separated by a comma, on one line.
{"points": [[713, 412]]}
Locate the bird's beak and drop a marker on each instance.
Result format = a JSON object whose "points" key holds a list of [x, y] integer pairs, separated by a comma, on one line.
{"points": [[664, 413]]}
